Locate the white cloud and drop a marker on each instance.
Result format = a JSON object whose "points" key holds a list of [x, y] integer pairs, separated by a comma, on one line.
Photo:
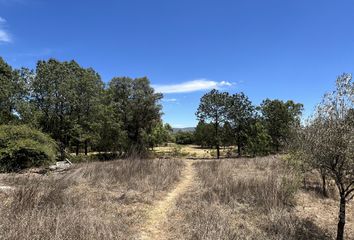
{"points": [[4, 35], [191, 86], [169, 100]]}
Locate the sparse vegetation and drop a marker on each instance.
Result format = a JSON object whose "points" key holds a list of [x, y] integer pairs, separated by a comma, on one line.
{"points": [[242, 199], [91, 201]]}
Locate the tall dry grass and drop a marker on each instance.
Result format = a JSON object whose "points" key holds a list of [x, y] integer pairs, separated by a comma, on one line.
{"points": [[104, 200], [241, 199]]}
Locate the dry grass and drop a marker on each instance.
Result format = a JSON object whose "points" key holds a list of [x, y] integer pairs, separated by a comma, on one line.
{"points": [[242, 199], [191, 151], [91, 201], [323, 211]]}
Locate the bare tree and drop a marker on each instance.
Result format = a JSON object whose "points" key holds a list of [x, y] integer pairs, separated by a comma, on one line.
{"points": [[328, 142]]}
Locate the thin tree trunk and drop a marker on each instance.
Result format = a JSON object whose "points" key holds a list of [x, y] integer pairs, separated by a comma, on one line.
{"points": [[86, 147], [217, 138], [324, 189], [238, 149], [77, 149], [341, 222]]}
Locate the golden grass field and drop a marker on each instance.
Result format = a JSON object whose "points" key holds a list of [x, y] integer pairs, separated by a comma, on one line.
{"points": [[184, 198], [191, 151]]}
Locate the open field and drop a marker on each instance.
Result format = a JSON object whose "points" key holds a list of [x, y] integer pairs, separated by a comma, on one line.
{"points": [[192, 151], [105, 200], [252, 199], [246, 198]]}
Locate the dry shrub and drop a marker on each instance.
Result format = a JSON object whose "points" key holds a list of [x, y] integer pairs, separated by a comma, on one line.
{"points": [[90, 201]]}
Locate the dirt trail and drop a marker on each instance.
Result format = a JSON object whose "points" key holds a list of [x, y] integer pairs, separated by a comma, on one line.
{"points": [[154, 226]]}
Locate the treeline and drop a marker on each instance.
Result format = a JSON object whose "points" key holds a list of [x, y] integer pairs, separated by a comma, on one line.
{"points": [[81, 113], [226, 120]]}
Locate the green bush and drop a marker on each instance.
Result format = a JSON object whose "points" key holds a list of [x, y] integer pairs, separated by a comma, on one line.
{"points": [[23, 147]]}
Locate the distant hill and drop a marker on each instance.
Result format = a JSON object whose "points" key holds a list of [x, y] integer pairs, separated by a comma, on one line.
{"points": [[187, 129]]}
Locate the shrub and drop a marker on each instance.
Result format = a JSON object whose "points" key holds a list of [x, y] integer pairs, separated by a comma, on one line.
{"points": [[22, 147]]}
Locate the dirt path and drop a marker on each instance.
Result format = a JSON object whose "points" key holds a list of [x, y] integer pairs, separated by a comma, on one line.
{"points": [[154, 226]]}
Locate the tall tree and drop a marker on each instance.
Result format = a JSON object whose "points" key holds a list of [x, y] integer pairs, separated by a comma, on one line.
{"points": [[279, 118], [53, 96], [11, 92], [138, 107], [87, 92], [25, 110], [240, 112], [213, 107]]}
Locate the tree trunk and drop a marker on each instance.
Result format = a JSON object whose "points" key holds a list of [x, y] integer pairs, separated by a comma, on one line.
{"points": [[77, 149], [217, 138], [238, 149], [324, 189], [341, 222], [86, 147]]}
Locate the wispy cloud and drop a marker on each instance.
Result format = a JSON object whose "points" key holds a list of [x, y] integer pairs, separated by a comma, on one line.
{"points": [[4, 35], [191, 86], [169, 100]]}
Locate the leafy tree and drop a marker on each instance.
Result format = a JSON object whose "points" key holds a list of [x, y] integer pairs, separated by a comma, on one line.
{"points": [[109, 130], [204, 134], [87, 92], [11, 92], [279, 118], [22, 147], [213, 107], [184, 137], [258, 140], [159, 135], [227, 134], [328, 142], [137, 106], [25, 110], [239, 113]]}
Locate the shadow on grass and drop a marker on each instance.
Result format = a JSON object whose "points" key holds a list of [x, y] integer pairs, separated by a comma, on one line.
{"points": [[308, 230]]}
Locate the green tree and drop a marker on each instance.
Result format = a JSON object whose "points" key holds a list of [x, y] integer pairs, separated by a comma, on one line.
{"points": [[279, 118], [213, 107], [138, 107], [11, 93], [227, 134], [109, 130], [258, 140], [159, 135], [25, 110], [204, 134], [240, 112], [87, 93], [184, 137]]}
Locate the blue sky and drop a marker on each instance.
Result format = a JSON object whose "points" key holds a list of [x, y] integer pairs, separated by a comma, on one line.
{"points": [[281, 49]]}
